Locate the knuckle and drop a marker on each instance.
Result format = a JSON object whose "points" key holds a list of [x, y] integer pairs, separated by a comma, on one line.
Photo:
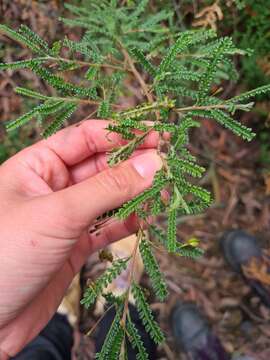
{"points": [[119, 180]]}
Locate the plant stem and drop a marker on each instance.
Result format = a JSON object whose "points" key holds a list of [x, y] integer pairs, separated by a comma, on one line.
{"points": [[131, 272], [89, 332], [209, 107], [137, 74], [85, 63]]}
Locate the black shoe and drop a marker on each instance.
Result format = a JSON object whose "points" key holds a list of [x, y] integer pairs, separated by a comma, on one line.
{"points": [[105, 324], [193, 334], [242, 252]]}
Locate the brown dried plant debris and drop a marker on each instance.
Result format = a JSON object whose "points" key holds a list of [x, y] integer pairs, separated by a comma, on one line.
{"points": [[258, 269], [209, 16]]}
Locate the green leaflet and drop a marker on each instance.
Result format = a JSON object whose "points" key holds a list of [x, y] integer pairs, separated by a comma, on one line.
{"points": [[139, 9], [21, 120], [136, 341], [152, 268], [22, 64], [206, 80], [51, 107], [34, 38], [104, 109], [79, 47], [20, 38], [189, 252], [61, 85], [157, 206], [131, 206], [91, 73], [116, 347], [186, 166], [31, 93], [94, 290], [114, 338], [146, 315], [199, 192], [143, 61], [250, 94], [184, 40], [165, 127], [56, 48], [233, 125], [46, 108], [67, 111], [123, 153]]}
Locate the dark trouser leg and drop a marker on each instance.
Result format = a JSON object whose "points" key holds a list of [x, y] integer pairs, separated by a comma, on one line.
{"points": [[53, 343]]}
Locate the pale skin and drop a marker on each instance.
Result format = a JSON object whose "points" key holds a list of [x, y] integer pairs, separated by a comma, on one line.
{"points": [[50, 195]]}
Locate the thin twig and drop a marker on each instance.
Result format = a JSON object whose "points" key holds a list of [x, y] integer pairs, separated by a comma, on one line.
{"points": [[130, 277], [86, 63], [99, 320], [206, 107], [137, 74]]}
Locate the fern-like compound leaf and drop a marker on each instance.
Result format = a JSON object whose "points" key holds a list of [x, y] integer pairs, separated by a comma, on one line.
{"points": [[91, 73], [152, 268], [123, 153], [47, 108], [207, 78], [143, 61], [51, 107], [66, 113], [104, 109], [189, 252], [12, 125], [34, 38], [61, 85], [136, 341], [180, 45], [146, 315], [22, 64], [15, 35], [116, 346], [140, 8], [31, 93], [186, 166], [95, 289], [250, 94], [113, 339], [233, 125], [131, 206]]}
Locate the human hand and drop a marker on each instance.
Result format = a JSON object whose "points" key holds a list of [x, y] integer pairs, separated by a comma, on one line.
{"points": [[50, 195]]}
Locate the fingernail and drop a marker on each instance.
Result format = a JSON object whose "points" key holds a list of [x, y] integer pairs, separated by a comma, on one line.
{"points": [[147, 164]]}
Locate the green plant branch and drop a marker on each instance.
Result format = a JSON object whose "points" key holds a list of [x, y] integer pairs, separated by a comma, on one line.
{"points": [[128, 55], [136, 74]]}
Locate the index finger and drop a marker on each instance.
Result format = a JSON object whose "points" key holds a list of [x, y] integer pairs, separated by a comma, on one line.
{"points": [[78, 142]]}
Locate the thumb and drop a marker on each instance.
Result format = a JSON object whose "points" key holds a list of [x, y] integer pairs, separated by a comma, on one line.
{"points": [[109, 189]]}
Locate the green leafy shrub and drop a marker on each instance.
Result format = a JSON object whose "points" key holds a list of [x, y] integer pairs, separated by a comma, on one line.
{"points": [[175, 73]]}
